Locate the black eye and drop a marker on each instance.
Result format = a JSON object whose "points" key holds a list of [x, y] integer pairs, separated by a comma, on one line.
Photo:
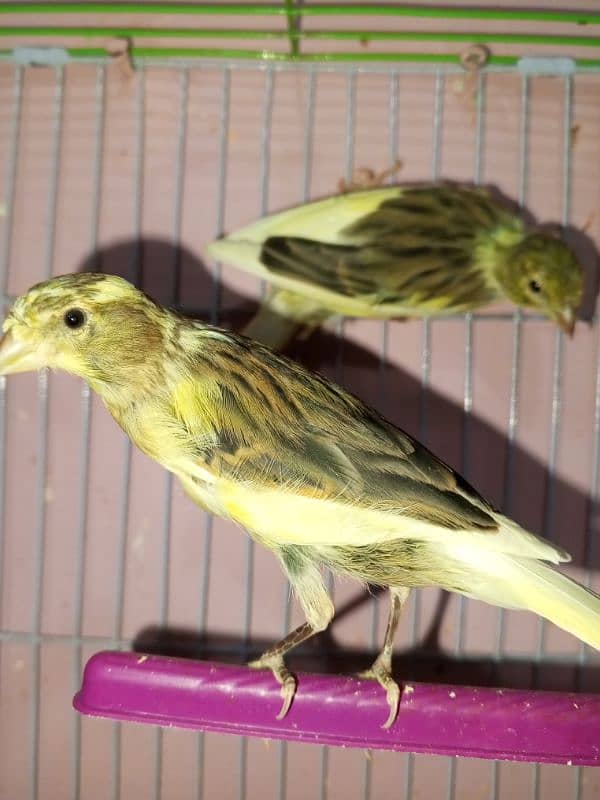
{"points": [[535, 287], [74, 318]]}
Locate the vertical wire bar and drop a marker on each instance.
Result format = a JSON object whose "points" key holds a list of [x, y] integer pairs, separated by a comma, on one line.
{"points": [[350, 128], [84, 457], [11, 180], [127, 457], [221, 185], [263, 189], [513, 409], [164, 590], [309, 115], [557, 370], [350, 148], [589, 538], [339, 363], [415, 619], [468, 404], [308, 151], [308, 148], [549, 498], [468, 383], [513, 412], [42, 464], [309, 134], [558, 351], [383, 362], [5, 253], [350, 122], [216, 274]]}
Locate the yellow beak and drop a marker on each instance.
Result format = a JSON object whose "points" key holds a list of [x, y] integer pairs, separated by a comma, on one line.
{"points": [[565, 320], [18, 356]]}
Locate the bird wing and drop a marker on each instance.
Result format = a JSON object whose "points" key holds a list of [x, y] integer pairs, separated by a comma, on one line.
{"points": [[297, 460], [301, 460], [400, 248]]}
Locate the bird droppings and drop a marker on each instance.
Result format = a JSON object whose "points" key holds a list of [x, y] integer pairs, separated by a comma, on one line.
{"points": [[141, 659], [452, 695], [137, 545], [408, 689]]}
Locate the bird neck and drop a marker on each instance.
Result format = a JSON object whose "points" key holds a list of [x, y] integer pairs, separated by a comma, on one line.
{"points": [[494, 253]]}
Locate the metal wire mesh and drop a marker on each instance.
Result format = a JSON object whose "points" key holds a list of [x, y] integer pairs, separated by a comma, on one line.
{"points": [[97, 543]]}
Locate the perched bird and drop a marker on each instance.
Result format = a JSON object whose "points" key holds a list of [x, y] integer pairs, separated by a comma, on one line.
{"points": [[400, 251], [309, 470]]}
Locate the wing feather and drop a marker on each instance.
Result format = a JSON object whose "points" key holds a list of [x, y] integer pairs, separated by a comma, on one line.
{"points": [[281, 428]]}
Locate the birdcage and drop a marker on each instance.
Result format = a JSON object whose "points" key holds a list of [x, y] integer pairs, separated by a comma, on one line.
{"points": [[132, 135]]}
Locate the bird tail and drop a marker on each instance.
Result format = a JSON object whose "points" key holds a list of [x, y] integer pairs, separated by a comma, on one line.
{"points": [[241, 253], [524, 583]]}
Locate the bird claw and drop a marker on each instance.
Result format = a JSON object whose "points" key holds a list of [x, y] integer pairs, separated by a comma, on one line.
{"points": [[381, 673], [283, 676]]}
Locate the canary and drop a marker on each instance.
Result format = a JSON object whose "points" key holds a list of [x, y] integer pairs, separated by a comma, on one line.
{"points": [[400, 251], [308, 469]]}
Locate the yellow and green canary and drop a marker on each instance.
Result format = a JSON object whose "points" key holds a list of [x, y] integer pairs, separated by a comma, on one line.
{"points": [[400, 251], [308, 469]]}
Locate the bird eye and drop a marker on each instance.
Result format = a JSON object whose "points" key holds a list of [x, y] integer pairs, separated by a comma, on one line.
{"points": [[535, 287], [74, 318]]}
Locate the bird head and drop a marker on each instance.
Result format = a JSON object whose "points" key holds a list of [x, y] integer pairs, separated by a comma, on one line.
{"points": [[96, 326], [541, 272]]}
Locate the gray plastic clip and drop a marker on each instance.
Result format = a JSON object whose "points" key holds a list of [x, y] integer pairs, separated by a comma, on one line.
{"points": [[40, 56], [537, 65]]}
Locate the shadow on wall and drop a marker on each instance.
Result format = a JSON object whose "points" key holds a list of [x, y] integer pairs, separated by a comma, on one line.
{"points": [[175, 277]]}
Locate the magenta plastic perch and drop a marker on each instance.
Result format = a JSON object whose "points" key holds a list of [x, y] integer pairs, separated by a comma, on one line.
{"points": [[551, 727]]}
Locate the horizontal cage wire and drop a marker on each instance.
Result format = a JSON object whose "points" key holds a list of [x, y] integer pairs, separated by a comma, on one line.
{"points": [[100, 549]]}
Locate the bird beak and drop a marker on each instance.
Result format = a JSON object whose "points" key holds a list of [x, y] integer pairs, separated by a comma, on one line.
{"points": [[18, 356], [565, 320]]}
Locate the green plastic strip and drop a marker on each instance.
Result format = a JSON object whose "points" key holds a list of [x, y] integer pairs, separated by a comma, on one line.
{"points": [[268, 55], [288, 9], [296, 35]]}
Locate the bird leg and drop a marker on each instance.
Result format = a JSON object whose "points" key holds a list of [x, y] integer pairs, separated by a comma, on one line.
{"points": [[307, 583], [273, 659], [381, 669]]}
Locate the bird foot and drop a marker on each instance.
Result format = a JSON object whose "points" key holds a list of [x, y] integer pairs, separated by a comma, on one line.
{"points": [[381, 672], [365, 178], [282, 675]]}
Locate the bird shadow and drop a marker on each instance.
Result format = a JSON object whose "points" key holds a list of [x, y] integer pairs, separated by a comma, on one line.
{"points": [[177, 278]]}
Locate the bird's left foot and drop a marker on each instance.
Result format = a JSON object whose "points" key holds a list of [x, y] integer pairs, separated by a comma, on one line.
{"points": [[382, 673], [282, 675]]}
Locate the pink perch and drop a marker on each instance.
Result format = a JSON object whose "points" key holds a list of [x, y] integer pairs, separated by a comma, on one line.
{"points": [[551, 727]]}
